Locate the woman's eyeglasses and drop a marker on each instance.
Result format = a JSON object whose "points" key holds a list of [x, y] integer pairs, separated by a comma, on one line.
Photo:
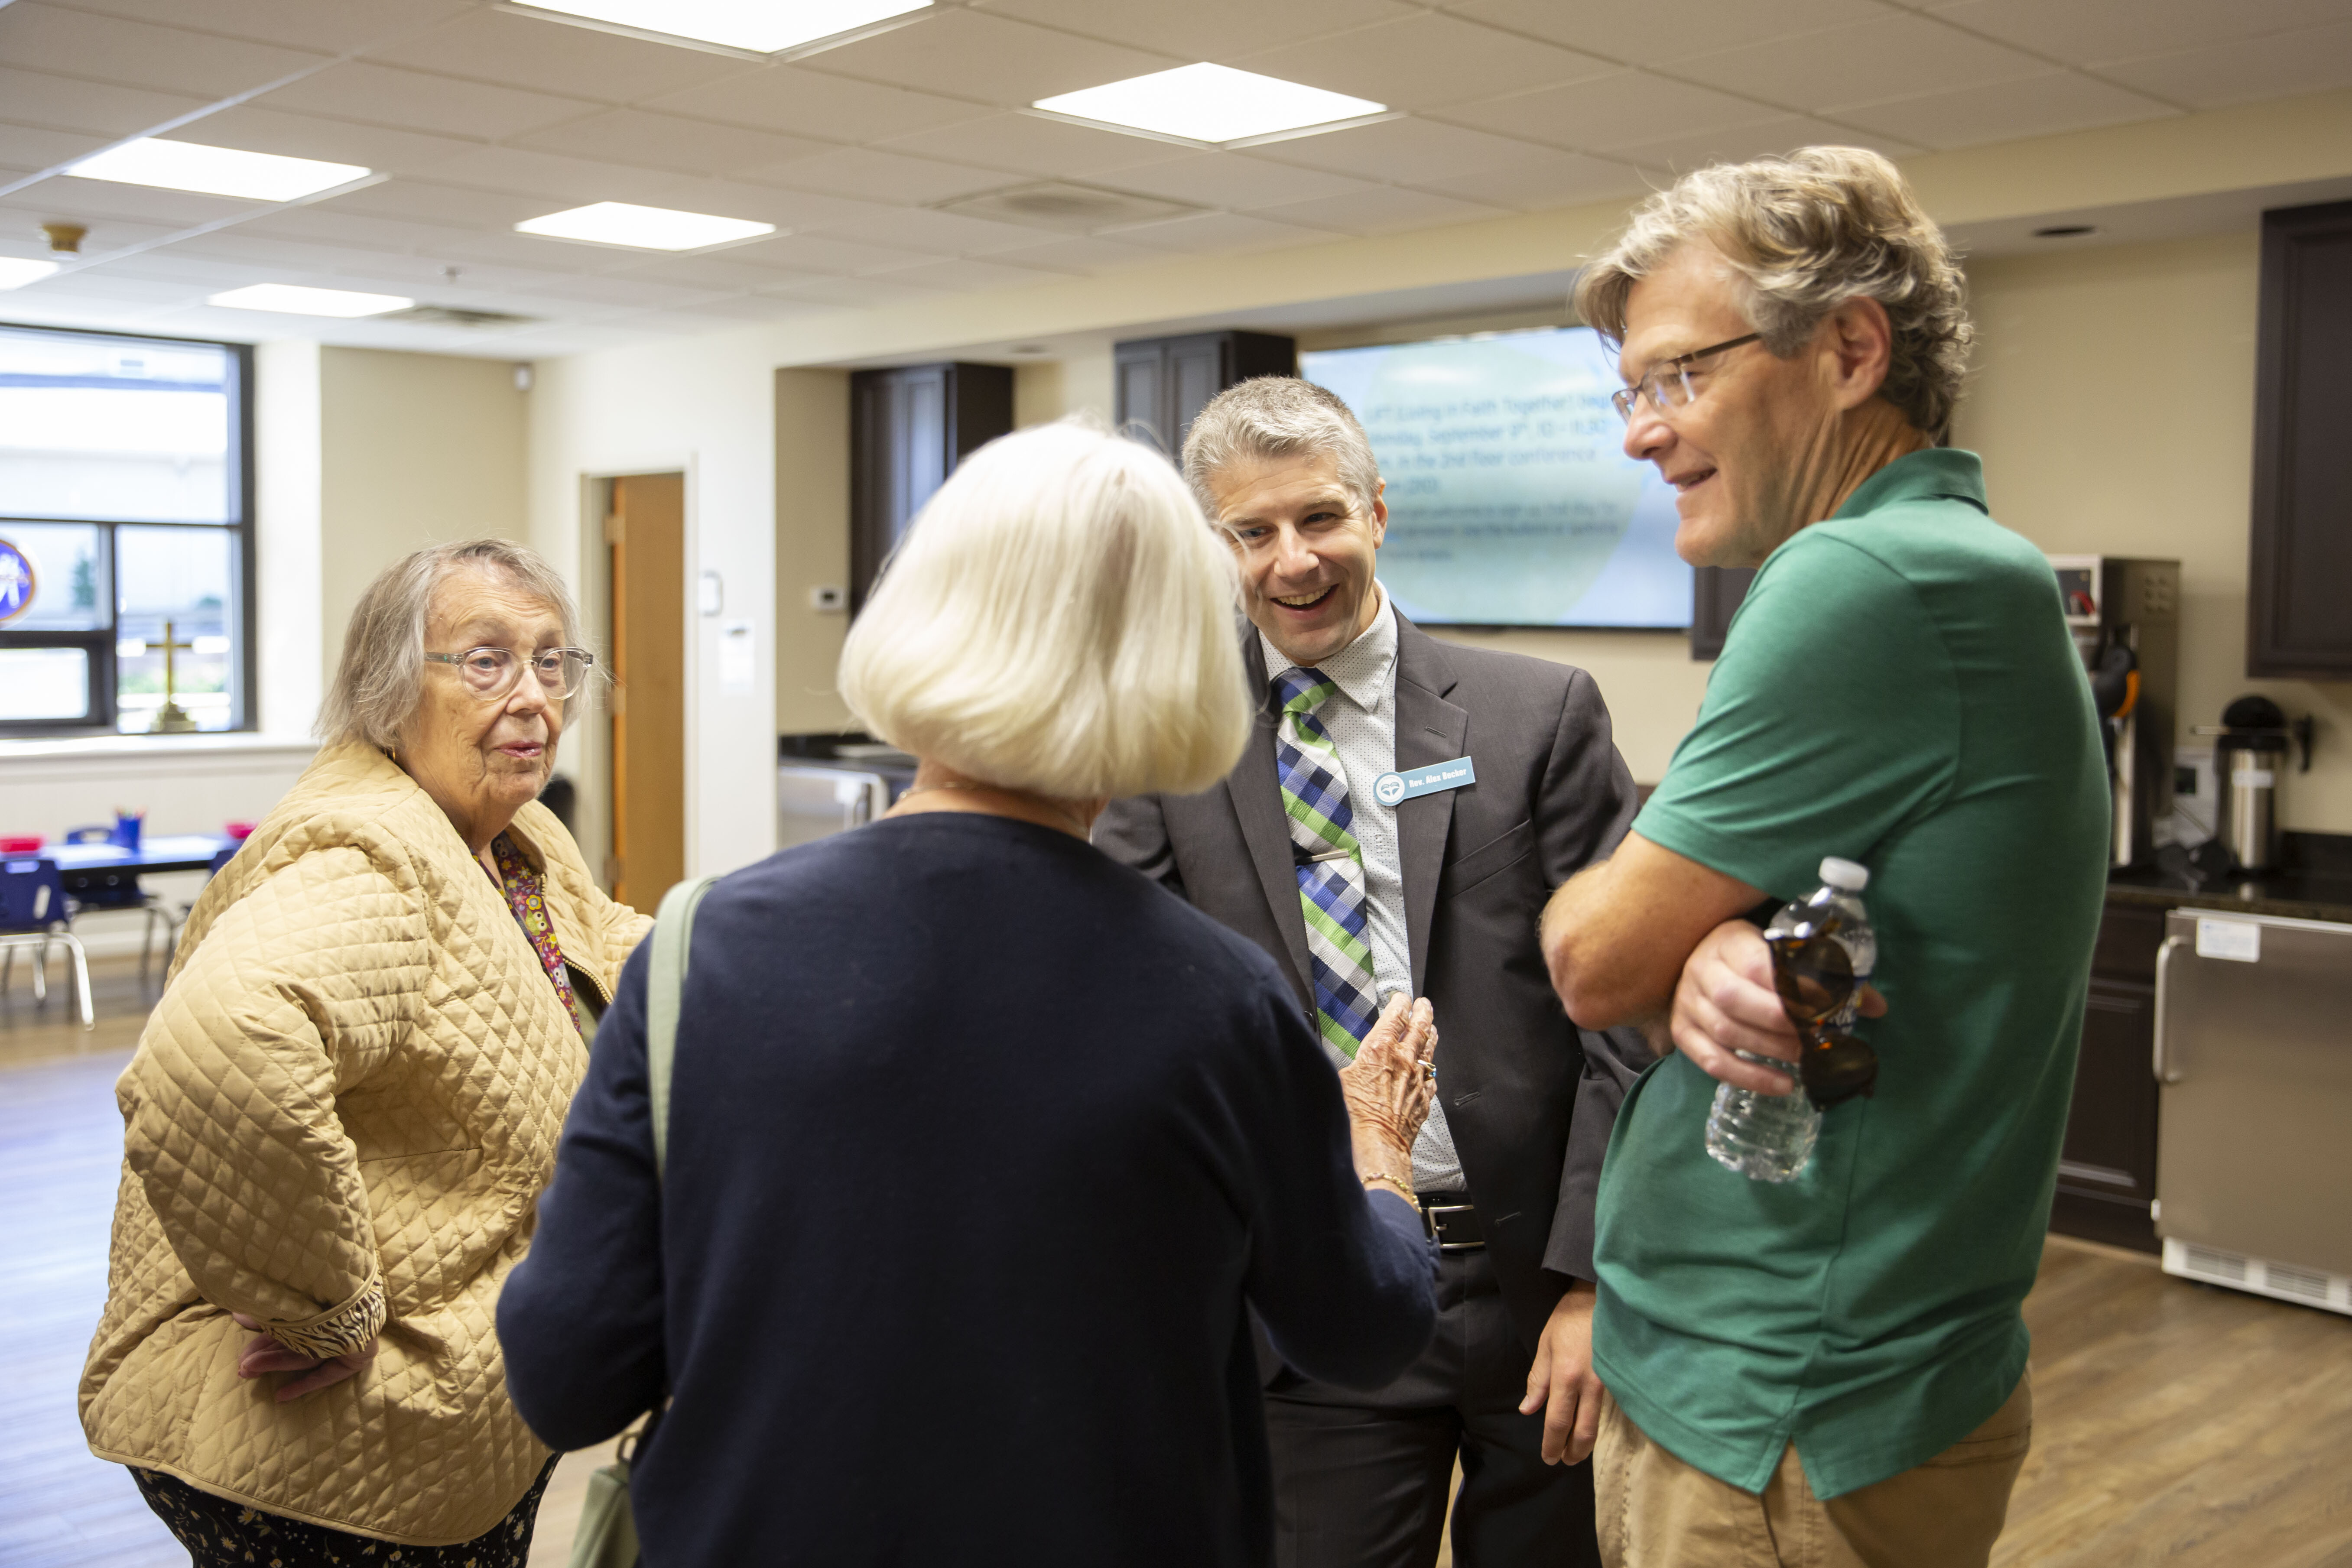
{"points": [[490, 673], [1667, 384], [1815, 980]]}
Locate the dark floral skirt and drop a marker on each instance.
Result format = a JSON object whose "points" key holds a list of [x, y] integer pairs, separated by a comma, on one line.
{"points": [[216, 1531]]}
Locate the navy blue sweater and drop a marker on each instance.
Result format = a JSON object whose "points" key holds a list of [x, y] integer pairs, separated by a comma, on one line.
{"points": [[979, 1143]]}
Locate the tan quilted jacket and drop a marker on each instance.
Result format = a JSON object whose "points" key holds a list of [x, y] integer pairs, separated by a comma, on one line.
{"points": [[338, 1122]]}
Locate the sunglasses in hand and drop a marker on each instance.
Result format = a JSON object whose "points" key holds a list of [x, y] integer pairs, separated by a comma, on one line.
{"points": [[1815, 979]]}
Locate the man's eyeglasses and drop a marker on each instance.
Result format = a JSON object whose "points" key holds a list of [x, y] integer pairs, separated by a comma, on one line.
{"points": [[1667, 383], [1815, 979], [491, 672]]}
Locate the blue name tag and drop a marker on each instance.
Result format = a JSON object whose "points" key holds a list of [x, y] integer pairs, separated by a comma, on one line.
{"points": [[1393, 789]]}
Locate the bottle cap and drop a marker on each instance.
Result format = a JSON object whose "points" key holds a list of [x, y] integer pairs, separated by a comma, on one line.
{"points": [[1846, 876]]}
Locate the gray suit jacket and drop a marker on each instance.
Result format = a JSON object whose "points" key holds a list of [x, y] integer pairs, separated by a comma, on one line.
{"points": [[1529, 1097]]}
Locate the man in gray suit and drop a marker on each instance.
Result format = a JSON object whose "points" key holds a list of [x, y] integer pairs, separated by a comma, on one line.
{"points": [[1402, 812]]}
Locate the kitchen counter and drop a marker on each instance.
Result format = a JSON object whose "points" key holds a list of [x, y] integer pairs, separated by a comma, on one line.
{"points": [[2312, 882]]}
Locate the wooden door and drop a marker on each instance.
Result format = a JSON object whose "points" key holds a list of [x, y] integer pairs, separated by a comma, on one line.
{"points": [[647, 534]]}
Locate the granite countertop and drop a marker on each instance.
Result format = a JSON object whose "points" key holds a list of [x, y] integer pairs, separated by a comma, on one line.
{"points": [[2312, 882]]}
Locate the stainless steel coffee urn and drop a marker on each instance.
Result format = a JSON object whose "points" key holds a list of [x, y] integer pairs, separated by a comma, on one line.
{"points": [[2125, 617], [2249, 751]]}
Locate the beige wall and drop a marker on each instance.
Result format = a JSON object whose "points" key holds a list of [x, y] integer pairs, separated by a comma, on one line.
{"points": [[2113, 400], [414, 450], [812, 537]]}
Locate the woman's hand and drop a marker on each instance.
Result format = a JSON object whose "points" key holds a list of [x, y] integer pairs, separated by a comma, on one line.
{"points": [[263, 1355], [1387, 1088]]}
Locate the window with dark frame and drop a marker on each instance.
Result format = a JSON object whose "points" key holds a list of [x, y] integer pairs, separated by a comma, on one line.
{"points": [[126, 534]]}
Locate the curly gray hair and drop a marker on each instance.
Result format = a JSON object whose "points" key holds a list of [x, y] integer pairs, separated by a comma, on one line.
{"points": [[1804, 235], [1278, 416], [381, 677]]}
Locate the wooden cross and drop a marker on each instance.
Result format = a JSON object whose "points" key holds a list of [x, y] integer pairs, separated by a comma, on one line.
{"points": [[172, 719]]}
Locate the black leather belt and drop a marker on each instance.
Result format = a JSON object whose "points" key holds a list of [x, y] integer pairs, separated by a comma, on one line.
{"points": [[1452, 1222]]}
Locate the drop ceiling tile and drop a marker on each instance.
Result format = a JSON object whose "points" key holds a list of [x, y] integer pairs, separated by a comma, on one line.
{"points": [[760, 203], [329, 26], [1381, 209], [1607, 112], [422, 100], [937, 233], [26, 148], [856, 292], [1409, 152], [1237, 180], [455, 206], [872, 174], [1673, 155], [96, 200], [511, 50], [66, 104], [377, 147], [35, 36], [106, 235], [527, 252], [1814, 71], [607, 289], [1660, 32], [758, 308], [2087, 32], [58, 297], [1421, 61], [2246, 70], [362, 230], [810, 103], [2005, 111], [973, 54], [1081, 253], [1559, 180], [668, 141], [721, 270], [1214, 233], [826, 254], [1030, 144], [964, 274], [1202, 30], [561, 181]]}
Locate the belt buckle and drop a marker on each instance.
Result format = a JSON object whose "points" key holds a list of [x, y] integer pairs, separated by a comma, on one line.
{"points": [[1436, 1228]]}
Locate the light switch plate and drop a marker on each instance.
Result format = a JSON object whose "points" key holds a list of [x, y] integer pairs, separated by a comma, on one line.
{"points": [[829, 599]]}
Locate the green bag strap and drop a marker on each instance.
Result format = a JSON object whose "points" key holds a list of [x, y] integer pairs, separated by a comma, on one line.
{"points": [[665, 985]]}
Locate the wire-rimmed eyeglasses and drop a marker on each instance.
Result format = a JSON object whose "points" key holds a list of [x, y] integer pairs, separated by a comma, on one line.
{"points": [[490, 673], [1667, 383]]}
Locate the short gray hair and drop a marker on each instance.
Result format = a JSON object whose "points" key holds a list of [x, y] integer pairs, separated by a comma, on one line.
{"points": [[1278, 416], [1056, 620], [1803, 234], [381, 677]]}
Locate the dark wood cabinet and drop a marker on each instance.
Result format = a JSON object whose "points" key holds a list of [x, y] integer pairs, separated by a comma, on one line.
{"points": [[2299, 610], [1162, 383], [909, 427], [1716, 594], [2107, 1170]]}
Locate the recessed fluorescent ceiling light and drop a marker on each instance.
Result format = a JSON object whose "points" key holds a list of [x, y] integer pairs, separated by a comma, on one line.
{"points": [[1209, 103], [15, 273], [293, 300], [642, 228], [763, 26], [215, 170]]}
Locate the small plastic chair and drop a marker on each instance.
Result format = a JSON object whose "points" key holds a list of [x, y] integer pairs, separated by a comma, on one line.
{"points": [[33, 913], [107, 892]]}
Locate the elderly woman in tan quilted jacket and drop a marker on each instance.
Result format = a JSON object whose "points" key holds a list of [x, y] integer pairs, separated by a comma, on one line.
{"points": [[342, 1112]]}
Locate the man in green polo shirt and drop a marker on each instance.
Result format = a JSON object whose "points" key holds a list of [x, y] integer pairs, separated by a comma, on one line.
{"points": [[1831, 1370]]}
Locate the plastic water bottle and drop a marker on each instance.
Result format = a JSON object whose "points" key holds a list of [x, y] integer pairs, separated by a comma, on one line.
{"points": [[1770, 1137]]}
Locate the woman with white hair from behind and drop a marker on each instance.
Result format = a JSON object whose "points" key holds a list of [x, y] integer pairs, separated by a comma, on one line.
{"points": [[980, 1145]]}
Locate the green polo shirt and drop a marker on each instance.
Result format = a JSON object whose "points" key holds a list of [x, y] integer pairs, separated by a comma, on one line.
{"points": [[1899, 689]]}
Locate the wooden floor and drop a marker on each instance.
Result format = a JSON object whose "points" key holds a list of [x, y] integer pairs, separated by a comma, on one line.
{"points": [[2177, 1424]]}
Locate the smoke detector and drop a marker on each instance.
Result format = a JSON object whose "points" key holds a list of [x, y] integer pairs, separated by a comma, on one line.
{"points": [[1058, 204]]}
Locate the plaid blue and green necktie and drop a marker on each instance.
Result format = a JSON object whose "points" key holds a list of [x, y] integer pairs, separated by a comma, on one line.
{"points": [[1329, 859]]}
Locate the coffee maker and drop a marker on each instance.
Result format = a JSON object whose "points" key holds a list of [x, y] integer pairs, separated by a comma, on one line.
{"points": [[2125, 617]]}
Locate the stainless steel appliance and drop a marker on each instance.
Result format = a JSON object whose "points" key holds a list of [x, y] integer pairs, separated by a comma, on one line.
{"points": [[830, 784], [2125, 616], [2249, 751], [2254, 1068]]}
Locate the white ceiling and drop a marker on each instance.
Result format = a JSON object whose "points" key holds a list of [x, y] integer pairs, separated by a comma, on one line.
{"points": [[481, 116]]}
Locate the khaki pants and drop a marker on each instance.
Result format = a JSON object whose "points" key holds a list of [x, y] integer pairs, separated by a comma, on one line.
{"points": [[1656, 1512]]}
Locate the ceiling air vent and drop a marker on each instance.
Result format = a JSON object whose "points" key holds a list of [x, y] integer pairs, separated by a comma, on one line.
{"points": [[456, 316], [1058, 204]]}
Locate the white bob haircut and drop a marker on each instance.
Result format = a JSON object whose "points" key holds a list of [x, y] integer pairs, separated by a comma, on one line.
{"points": [[1058, 620]]}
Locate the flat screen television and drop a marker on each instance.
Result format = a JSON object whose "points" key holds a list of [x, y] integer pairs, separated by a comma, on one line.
{"points": [[1511, 501]]}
